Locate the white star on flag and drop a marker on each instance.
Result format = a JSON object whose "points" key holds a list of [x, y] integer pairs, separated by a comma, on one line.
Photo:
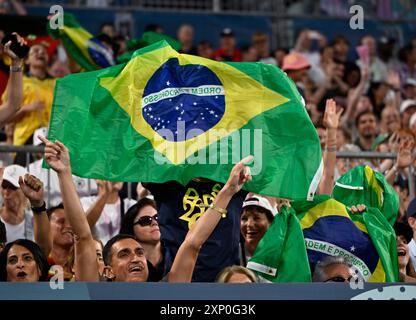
{"points": [[352, 249], [168, 83]]}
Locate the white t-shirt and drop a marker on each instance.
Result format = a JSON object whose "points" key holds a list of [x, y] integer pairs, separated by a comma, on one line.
{"points": [[412, 252], [23, 230], [109, 223], [81, 184]]}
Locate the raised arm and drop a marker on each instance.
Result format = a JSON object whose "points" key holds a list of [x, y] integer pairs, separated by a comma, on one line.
{"points": [[15, 85], [32, 188], [185, 260], [86, 267], [331, 122], [105, 188]]}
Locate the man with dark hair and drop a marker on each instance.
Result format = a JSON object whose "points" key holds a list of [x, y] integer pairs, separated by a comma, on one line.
{"points": [[366, 123], [125, 260]]}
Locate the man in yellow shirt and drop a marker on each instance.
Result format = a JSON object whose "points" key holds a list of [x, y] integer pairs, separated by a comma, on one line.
{"points": [[38, 88]]}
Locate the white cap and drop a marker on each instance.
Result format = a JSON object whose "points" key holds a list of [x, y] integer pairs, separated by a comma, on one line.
{"points": [[406, 104], [260, 202], [39, 132], [12, 173], [410, 82]]}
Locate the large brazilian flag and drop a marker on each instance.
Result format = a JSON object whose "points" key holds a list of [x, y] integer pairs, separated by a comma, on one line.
{"points": [[168, 116]]}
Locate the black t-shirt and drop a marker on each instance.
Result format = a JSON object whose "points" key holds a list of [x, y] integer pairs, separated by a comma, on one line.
{"points": [[179, 206]]}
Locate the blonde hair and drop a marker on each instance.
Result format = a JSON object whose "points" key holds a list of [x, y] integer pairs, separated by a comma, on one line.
{"points": [[226, 273]]}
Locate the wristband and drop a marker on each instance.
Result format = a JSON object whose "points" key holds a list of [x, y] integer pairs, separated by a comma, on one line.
{"points": [[37, 210], [331, 149], [16, 68], [221, 211]]}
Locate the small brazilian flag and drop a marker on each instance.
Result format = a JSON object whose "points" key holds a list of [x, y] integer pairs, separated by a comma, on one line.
{"points": [[89, 52], [168, 116], [366, 239]]}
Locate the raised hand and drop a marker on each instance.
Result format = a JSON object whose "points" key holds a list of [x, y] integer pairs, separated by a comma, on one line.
{"points": [[404, 157], [7, 51], [32, 188], [239, 175], [331, 117], [56, 155]]}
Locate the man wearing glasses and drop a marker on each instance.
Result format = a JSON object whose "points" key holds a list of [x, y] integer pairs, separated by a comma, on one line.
{"points": [[333, 269]]}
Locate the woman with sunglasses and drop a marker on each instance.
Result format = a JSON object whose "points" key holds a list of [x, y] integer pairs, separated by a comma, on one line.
{"points": [[141, 221]]}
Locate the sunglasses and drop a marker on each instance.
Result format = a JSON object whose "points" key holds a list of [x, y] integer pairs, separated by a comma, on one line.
{"points": [[146, 220], [339, 279]]}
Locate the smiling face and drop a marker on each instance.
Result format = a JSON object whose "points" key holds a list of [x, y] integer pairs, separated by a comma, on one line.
{"points": [[144, 232], [254, 225], [21, 265], [61, 232], [128, 262], [402, 251], [38, 56]]}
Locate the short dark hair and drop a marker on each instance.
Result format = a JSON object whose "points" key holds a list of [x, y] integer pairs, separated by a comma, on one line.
{"points": [[362, 113], [127, 226], [51, 210], [107, 251], [3, 237], [38, 255]]}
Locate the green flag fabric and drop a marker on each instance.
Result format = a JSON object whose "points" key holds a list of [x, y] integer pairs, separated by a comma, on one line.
{"points": [[168, 116], [362, 185], [148, 38], [89, 52]]}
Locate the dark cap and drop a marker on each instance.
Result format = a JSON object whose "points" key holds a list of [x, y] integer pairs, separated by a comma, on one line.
{"points": [[227, 32], [403, 229], [411, 209]]}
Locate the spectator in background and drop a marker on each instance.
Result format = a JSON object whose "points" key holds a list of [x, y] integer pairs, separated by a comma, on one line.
{"points": [[85, 187], [38, 88], [308, 43], [249, 54], [185, 36], [409, 89], [341, 47], [296, 66], [227, 50], [366, 124], [15, 213], [279, 55], [407, 68], [377, 95], [261, 43], [390, 120], [407, 109], [377, 69], [236, 274], [106, 210], [109, 29], [154, 28], [12, 7], [205, 50], [386, 53], [14, 95]]}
